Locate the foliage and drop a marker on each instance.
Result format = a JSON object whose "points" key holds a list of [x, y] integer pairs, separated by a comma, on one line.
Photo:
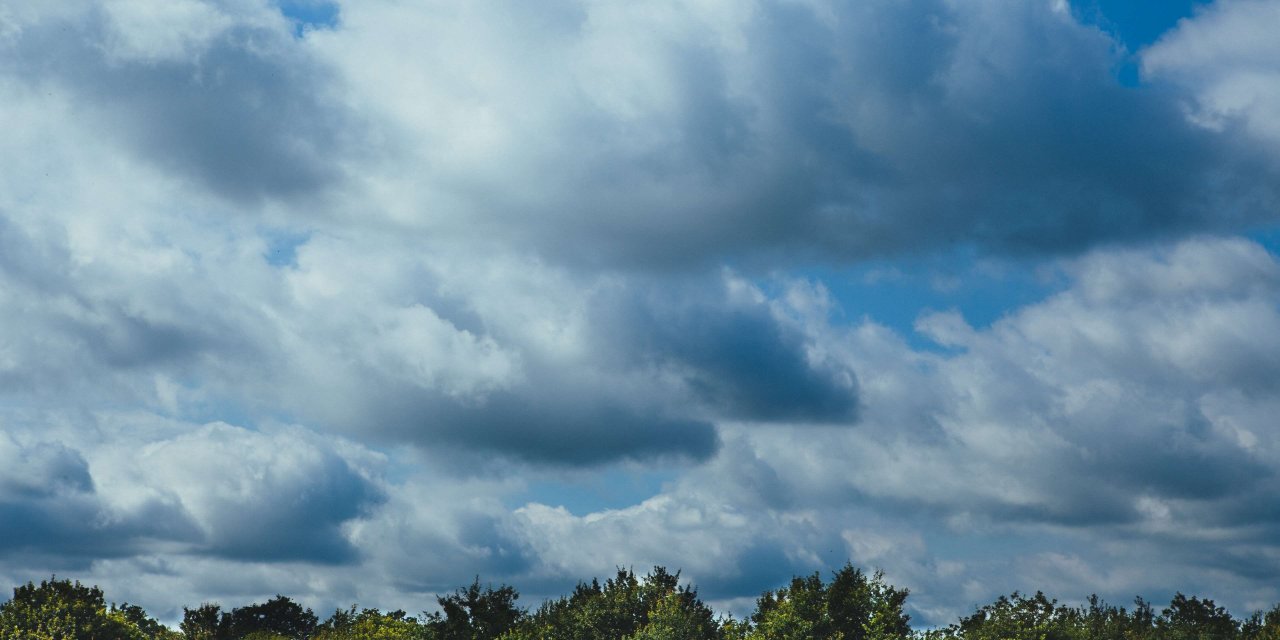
{"points": [[1262, 626], [656, 606], [150, 627], [1196, 619], [371, 624], [277, 619], [851, 606], [673, 619], [205, 622], [1017, 617], [475, 613], [1038, 618], [63, 610]]}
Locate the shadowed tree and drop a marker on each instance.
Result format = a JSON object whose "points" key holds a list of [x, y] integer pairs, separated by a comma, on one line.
{"points": [[475, 613], [1017, 617], [205, 622], [150, 627], [1262, 626], [1195, 619], [277, 617]]}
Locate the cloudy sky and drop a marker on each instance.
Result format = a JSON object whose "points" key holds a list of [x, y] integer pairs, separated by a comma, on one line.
{"points": [[353, 301]]}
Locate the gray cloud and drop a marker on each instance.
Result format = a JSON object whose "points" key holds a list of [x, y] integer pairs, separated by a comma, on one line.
{"points": [[263, 497], [1227, 62], [842, 132], [229, 101], [218, 490], [50, 508], [1080, 436], [737, 356]]}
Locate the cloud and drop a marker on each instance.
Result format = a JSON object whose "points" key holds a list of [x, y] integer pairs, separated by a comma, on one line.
{"points": [[51, 510], [262, 497], [221, 95], [1111, 383], [667, 135], [1228, 61], [168, 488], [1122, 416]]}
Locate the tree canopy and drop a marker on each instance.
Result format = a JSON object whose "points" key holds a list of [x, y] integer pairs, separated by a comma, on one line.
{"points": [[851, 605]]}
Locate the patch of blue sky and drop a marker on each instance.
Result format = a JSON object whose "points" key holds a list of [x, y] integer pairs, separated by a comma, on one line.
{"points": [[1134, 24], [307, 15], [201, 407], [590, 491], [210, 410], [282, 246], [896, 293], [1268, 237]]}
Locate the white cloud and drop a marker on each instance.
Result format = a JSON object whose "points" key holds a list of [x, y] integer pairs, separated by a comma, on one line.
{"points": [[1133, 401], [1227, 55], [153, 31]]}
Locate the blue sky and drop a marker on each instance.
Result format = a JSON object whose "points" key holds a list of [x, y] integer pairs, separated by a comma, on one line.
{"points": [[354, 301], [1136, 24]]}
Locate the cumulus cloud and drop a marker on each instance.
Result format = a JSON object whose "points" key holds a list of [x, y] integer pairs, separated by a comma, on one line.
{"points": [[53, 512], [1095, 420], [265, 497], [669, 134], [1228, 60], [221, 95]]}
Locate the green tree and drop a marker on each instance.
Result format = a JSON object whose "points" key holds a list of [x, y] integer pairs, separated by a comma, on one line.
{"points": [[150, 627], [1018, 617], [1196, 619], [63, 610], [370, 624], [624, 606], [1098, 619], [671, 618], [853, 606], [1262, 626], [475, 613], [278, 616], [791, 613], [205, 622]]}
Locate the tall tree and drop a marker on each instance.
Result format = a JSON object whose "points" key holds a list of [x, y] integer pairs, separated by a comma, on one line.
{"points": [[205, 622], [150, 627], [625, 606], [853, 606], [1018, 617], [62, 610], [1196, 619], [278, 616], [370, 624], [476, 613]]}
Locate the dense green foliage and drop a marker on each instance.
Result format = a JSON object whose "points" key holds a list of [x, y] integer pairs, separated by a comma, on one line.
{"points": [[625, 606], [63, 610], [276, 619], [852, 605]]}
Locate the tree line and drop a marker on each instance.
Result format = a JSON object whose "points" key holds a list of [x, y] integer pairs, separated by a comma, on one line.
{"points": [[851, 605]]}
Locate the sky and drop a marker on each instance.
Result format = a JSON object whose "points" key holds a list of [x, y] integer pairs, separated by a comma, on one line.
{"points": [[355, 301]]}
